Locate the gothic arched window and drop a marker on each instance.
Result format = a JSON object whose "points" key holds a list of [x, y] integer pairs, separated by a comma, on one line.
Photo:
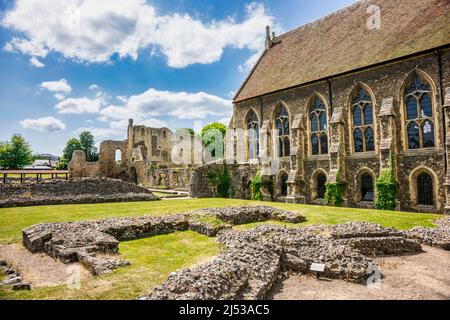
{"points": [[282, 126], [321, 186], [425, 190], [419, 114], [252, 135], [363, 132], [367, 193], [319, 127]]}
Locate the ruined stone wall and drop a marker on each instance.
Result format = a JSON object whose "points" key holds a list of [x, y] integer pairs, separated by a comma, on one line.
{"points": [[80, 168], [200, 185], [86, 190], [386, 85]]}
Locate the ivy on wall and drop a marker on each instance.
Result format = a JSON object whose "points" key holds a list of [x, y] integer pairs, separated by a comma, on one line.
{"points": [[386, 188], [334, 193], [258, 184], [221, 182]]}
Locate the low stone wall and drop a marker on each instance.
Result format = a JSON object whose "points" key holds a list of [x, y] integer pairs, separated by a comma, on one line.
{"points": [[254, 260], [437, 237], [83, 241], [87, 190]]}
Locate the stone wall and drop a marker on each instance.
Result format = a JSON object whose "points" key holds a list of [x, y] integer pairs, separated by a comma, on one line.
{"points": [[386, 85], [241, 176], [86, 190]]}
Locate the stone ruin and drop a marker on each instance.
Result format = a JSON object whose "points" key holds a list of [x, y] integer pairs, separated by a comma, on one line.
{"points": [[251, 262], [76, 191], [90, 242]]}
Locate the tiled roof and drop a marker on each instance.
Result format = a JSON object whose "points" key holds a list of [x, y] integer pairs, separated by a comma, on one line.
{"points": [[342, 42]]}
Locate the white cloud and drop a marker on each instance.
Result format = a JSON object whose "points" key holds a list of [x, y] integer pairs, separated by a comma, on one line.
{"points": [[94, 30], [94, 87], [61, 86], [101, 134], [80, 105], [59, 96], [48, 124], [35, 62], [182, 105], [248, 65]]}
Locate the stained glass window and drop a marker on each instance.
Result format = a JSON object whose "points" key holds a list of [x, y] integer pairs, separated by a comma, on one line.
{"points": [[319, 127], [419, 114], [363, 132]]}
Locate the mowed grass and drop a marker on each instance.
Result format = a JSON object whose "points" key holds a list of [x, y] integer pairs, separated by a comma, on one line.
{"points": [[153, 259], [13, 220]]}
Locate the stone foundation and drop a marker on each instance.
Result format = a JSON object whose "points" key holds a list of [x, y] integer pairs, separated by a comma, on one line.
{"points": [[88, 241]]}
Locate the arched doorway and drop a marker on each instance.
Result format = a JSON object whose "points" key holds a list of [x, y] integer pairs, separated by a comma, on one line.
{"points": [[425, 189], [367, 190], [321, 186], [283, 184]]}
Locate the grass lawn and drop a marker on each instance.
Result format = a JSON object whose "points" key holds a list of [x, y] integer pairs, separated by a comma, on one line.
{"points": [[153, 259]]}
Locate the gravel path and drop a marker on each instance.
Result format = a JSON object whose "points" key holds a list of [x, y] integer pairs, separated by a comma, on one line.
{"points": [[39, 269], [424, 276]]}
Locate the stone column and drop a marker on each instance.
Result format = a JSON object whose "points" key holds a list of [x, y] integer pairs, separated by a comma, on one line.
{"points": [[387, 139], [446, 108], [296, 181], [337, 146], [387, 131]]}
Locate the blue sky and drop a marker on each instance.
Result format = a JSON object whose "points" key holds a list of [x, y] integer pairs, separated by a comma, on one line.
{"points": [[68, 65]]}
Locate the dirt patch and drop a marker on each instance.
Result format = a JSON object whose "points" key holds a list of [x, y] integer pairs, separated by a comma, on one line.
{"points": [[39, 269], [425, 276]]}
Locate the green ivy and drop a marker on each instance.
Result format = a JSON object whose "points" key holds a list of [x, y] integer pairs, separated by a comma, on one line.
{"points": [[334, 193], [221, 180], [258, 184], [386, 189]]}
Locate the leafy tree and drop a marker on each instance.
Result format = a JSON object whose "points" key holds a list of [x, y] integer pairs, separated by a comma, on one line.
{"points": [[211, 132], [88, 145], [207, 137], [16, 153], [72, 145], [188, 130]]}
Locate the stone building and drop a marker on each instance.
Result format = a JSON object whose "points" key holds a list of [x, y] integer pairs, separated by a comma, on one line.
{"points": [[346, 92], [131, 159]]}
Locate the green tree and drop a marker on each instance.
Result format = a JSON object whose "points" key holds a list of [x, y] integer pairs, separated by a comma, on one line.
{"points": [[88, 145], [16, 153], [188, 130], [72, 145], [211, 133]]}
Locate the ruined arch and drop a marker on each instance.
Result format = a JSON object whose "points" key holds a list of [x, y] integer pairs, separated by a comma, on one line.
{"points": [[281, 183]]}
